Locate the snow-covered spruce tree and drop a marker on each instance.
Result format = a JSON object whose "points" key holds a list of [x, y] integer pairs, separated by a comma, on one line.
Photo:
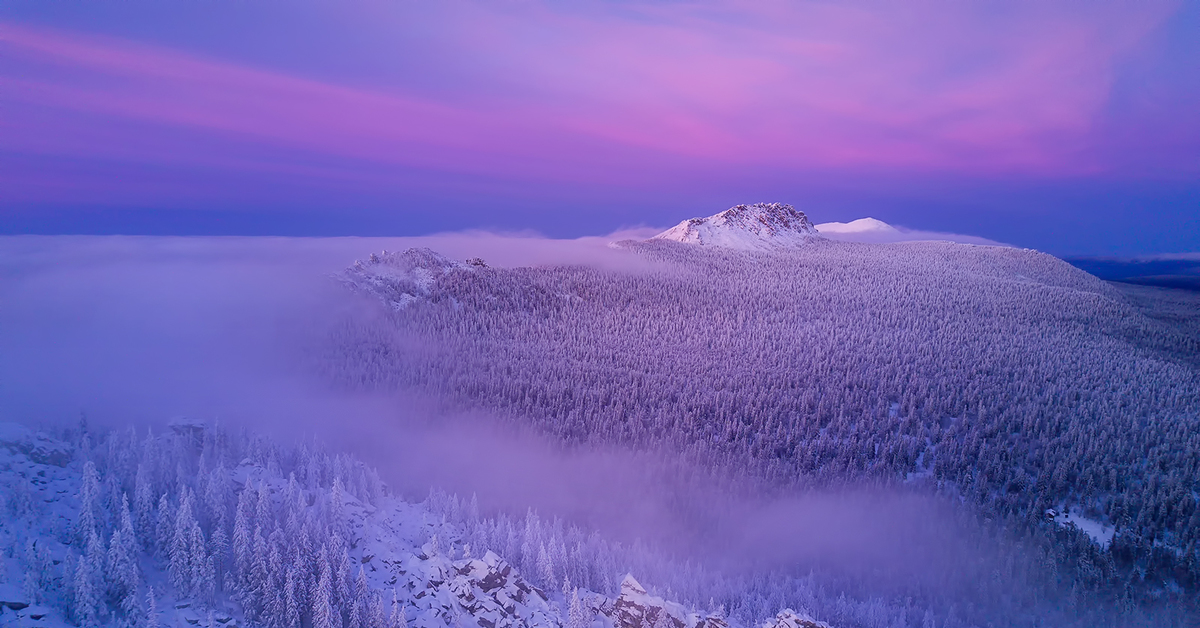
{"points": [[397, 618], [341, 575], [89, 489], [180, 551], [337, 510], [577, 616], [39, 577], [243, 537], [377, 617], [545, 569], [151, 609], [275, 604], [360, 604], [124, 575], [203, 569], [89, 584], [215, 499], [293, 600], [264, 512], [143, 506], [258, 580], [164, 533], [323, 614]]}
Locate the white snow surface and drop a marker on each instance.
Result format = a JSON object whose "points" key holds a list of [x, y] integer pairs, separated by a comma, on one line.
{"points": [[757, 227], [862, 225], [867, 225], [875, 231], [1100, 533]]}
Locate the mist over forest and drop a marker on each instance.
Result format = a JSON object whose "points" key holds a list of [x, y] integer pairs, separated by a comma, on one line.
{"points": [[862, 434]]}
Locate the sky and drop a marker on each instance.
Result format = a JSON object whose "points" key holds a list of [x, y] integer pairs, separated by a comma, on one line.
{"points": [[1071, 127]]}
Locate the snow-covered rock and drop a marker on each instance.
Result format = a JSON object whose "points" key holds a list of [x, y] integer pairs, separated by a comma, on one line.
{"points": [[761, 226], [401, 278], [189, 428], [635, 608], [788, 618], [12, 599], [37, 446]]}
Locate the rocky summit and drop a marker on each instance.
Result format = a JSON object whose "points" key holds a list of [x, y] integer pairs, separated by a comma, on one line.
{"points": [[761, 226]]}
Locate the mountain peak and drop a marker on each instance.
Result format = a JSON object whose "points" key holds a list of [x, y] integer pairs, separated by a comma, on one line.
{"points": [[761, 226]]}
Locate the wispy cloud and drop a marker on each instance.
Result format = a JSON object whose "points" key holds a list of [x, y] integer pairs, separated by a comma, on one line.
{"points": [[601, 94]]}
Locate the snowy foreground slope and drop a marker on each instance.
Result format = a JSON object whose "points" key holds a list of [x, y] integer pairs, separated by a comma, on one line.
{"points": [[196, 527]]}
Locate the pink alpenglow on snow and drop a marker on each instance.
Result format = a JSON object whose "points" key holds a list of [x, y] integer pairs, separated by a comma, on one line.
{"points": [[761, 226]]}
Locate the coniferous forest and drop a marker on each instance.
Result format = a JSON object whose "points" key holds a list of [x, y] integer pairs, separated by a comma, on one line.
{"points": [[1058, 413]]}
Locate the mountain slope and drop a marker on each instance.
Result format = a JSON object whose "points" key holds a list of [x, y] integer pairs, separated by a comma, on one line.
{"points": [[1002, 377]]}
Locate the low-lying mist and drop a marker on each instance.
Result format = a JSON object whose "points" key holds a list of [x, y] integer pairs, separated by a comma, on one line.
{"points": [[134, 331], [134, 328]]}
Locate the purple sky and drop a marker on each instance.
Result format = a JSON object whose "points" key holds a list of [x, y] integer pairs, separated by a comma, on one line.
{"points": [[1068, 126]]}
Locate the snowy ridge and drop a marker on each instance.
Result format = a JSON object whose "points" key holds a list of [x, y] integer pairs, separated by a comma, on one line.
{"points": [[400, 279], [325, 547], [761, 226]]}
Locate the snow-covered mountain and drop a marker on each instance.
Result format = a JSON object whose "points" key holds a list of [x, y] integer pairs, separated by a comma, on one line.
{"points": [[777, 226], [761, 226]]}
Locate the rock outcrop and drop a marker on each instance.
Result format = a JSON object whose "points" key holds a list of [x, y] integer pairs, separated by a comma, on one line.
{"points": [[761, 226]]}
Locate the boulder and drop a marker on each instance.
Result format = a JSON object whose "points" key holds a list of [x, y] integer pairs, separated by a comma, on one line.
{"points": [[38, 447]]}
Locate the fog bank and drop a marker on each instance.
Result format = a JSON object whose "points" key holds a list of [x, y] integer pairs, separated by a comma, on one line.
{"points": [[138, 330]]}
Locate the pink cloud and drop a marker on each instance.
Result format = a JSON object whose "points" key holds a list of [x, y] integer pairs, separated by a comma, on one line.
{"points": [[164, 87], [616, 93]]}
